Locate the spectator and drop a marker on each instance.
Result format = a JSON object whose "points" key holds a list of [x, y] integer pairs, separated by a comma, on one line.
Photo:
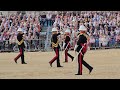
{"points": [[97, 22], [118, 39], [48, 16], [105, 41], [92, 41], [12, 40]]}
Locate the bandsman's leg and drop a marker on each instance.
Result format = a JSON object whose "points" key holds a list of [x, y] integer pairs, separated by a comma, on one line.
{"points": [[79, 64], [87, 66], [58, 59], [15, 59], [66, 56], [22, 57], [56, 51], [70, 56]]}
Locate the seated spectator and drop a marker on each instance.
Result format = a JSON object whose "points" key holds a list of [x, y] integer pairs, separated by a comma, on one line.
{"points": [[100, 40], [97, 22], [105, 41], [48, 18], [12, 40], [96, 36], [92, 41], [118, 39]]}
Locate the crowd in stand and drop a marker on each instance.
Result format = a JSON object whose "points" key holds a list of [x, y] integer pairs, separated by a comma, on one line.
{"points": [[103, 26], [9, 25]]}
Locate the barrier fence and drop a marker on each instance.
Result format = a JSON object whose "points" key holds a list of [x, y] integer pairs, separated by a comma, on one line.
{"points": [[30, 45], [39, 45]]}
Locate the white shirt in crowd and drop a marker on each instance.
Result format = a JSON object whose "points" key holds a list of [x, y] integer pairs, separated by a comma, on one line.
{"points": [[104, 41], [100, 39], [92, 40], [0, 38], [117, 31], [48, 16], [101, 31]]}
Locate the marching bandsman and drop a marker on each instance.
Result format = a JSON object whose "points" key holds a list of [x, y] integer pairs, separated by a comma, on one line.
{"points": [[67, 45], [21, 46], [81, 48], [55, 46]]}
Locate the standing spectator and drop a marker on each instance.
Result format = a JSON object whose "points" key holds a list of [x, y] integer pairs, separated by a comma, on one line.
{"points": [[105, 41], [118, 39], [92, 41], [43, 19], [1, 43], [96, 40], [48, 18], [12, 40], [100, 40]]}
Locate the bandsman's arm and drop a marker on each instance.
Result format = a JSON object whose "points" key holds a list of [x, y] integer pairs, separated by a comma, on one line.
{"points": [[78, 43], [80, 40], [24, 36], [88, 37], [58, 34], [67, 39]]}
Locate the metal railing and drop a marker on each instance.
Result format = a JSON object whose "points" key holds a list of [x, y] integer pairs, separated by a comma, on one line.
{"points": [[96, 45], [30, 45], [39, 45]]}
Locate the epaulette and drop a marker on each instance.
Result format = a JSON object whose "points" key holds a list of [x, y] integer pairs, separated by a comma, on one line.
{"points": [[87, 36]]}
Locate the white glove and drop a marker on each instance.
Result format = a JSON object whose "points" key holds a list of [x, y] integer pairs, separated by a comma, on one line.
{"points": [[75, 47], [63, 45], [25, 44], [61, 33]]}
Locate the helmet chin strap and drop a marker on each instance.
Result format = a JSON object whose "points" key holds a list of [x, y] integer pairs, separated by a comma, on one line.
{"points": [[20, 32], [55, 32], [82, 31]]}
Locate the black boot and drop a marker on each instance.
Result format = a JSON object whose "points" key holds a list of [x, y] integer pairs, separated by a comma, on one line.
{"points": [[59, 66], [72, 58], [50, 64], [24, 63], [78, 74], [65, 62], [90, 70], [15, 61]]}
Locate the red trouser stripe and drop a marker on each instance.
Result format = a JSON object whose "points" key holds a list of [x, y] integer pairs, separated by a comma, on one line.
{"points": [[66, 56], [80, 62], [19, 55], [56, 51]]}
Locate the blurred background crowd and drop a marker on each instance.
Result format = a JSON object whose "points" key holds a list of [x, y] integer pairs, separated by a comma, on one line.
{"points": [[103, 26]]}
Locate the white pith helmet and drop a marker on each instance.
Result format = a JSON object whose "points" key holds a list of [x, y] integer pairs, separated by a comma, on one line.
{"points": [[82, 28], [19, 29], [68, 30], [54, 29]]}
